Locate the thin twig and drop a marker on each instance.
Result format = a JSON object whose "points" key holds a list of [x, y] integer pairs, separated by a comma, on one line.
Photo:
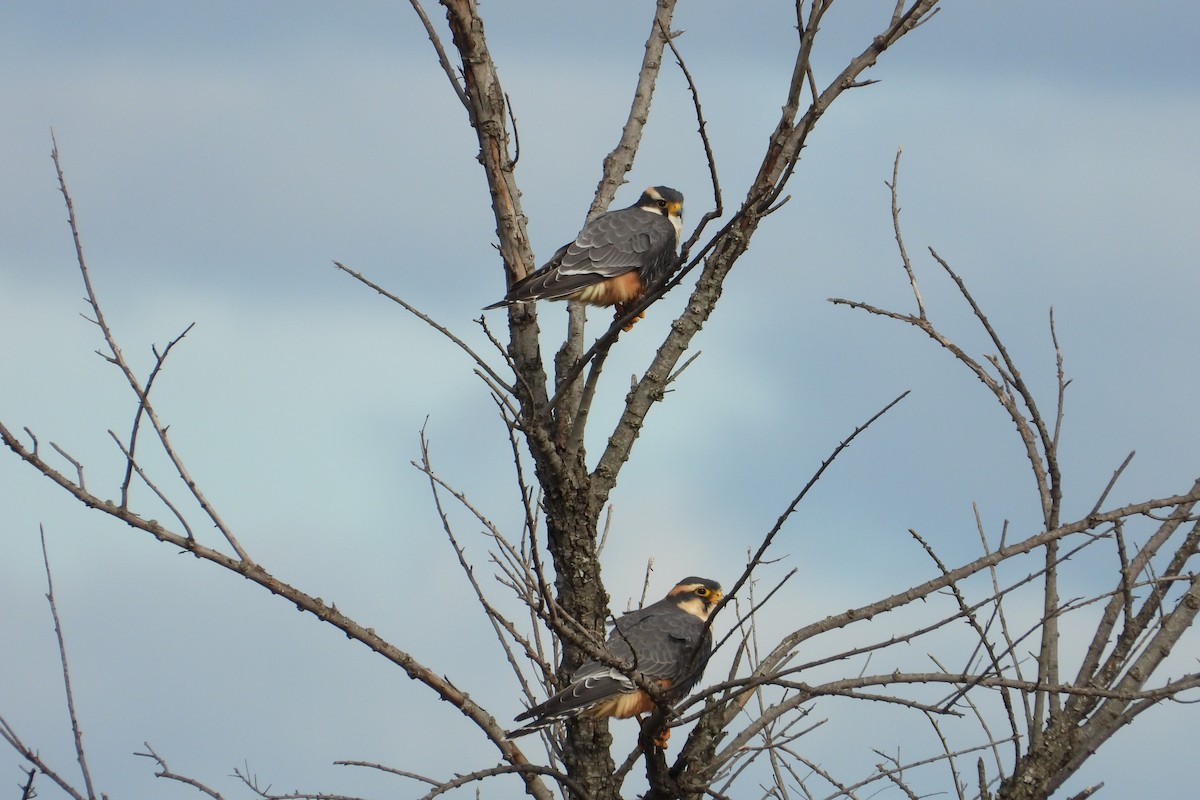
{"points": [[512, 118], [74, 463], [9, 736], [443, 59], [500, 624], [327, 613], [479, 362], [117, 358], [912, 765], [646, 583], [390, 770], [159, 360], [1112, 481], [1004, 632], [618, 162], [570, 364], [908, 268], [770, 537], [508, 769], [27, 790], [187, 529], [76, 731], [702, 128], [164, 771], [605, 530]]}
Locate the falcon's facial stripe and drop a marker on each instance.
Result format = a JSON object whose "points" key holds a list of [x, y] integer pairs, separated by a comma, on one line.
{"points": [[697, 596]]}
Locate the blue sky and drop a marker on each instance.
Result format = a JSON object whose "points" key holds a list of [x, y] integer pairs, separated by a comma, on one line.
{"points": [[221, 155]]}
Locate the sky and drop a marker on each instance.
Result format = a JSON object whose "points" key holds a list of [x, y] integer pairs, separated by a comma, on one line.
{"points": [[221, 155]]}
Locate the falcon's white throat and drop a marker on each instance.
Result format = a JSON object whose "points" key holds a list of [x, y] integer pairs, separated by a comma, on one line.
{"points": [[696, 607]]}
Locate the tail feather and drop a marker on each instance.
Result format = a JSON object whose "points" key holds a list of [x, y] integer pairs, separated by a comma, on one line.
{"points": [[574, 700], [530, 728], [547, 283], [544, 286]]}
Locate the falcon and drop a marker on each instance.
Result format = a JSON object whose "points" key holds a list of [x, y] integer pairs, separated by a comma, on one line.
{"points": [[666, 643], [614, 259]]}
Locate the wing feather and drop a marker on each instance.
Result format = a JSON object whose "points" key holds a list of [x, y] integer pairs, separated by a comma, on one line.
{"points": [[662, 643], [618, 242]]}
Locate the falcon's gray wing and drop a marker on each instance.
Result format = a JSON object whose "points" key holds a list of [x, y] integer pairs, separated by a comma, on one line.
{"points": [[662, 642], [619, 242]]}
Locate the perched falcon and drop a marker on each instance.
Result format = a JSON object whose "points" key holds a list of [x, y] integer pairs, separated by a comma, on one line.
{"points": [[665, 643], [614, 258]]}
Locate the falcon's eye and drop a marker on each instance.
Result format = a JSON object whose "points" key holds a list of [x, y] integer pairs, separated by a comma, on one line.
{"points": [[702, 591], [661, 203]]}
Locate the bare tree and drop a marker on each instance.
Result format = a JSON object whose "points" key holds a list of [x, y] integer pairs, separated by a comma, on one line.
{"points": [[1032, 726]]}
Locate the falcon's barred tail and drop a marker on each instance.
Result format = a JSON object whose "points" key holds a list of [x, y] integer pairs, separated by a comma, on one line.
{"points": [[583, 693], [547, 283], [530, 728]]}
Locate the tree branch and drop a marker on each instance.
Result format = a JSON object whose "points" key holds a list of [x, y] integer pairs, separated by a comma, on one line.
{"points": [[76, 731]]}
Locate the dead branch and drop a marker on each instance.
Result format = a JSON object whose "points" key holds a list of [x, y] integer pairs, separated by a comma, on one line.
{"points": [[618, 162], [904, 259], [76, 731], [443, 59], [159, 360], [327, 613], [756, 559], [27, 790], [576, 789], [163, 771], [10, 737], [494, 378], [117, 358]]}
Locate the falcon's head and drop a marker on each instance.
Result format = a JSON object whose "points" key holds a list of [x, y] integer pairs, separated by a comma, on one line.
{"points": [[662, 200], [696, 596]]}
